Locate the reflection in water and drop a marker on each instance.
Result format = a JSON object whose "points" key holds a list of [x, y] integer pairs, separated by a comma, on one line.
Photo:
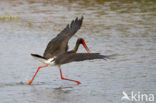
{"points": [[61, 92], [51, 94], [124, 27]]}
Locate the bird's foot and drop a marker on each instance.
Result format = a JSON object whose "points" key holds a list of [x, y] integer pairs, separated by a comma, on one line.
{"points": [[29, 82], [71, 80], [78, 82]]}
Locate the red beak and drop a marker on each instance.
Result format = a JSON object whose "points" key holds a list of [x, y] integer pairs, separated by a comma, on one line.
{"points": [[85, 46]]}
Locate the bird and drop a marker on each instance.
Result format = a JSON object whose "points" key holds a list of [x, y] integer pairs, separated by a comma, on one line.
{"points": [[56, 52]]}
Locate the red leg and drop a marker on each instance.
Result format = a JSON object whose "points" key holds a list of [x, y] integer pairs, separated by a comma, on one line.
{"points": [[29, 82], [66, 78]]}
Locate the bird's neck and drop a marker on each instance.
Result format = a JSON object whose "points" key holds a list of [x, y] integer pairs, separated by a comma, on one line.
{"points": [[76, 47]]}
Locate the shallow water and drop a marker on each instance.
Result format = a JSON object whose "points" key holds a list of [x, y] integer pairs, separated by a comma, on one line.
{"points": [[109, 27]]}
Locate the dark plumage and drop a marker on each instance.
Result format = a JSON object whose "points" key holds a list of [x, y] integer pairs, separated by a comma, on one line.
{"points": [[59, 44], [71, 57], [57, 52], [38, 56]]}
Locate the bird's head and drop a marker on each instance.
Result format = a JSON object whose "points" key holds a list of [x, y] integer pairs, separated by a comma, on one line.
{"points": [[82, 41]]}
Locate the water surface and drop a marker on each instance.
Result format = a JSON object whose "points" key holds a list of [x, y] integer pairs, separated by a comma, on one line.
{"points": [[126, 28]]}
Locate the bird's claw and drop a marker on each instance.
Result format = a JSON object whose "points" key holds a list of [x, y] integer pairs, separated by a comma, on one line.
{"points": [[29, 82], [78, 82]]}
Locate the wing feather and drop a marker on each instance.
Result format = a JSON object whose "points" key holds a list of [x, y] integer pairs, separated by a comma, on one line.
{"points": [[71, 57], [59, 44]]}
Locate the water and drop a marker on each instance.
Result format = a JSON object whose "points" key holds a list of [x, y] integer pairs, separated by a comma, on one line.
{"points": [[126, 28]]}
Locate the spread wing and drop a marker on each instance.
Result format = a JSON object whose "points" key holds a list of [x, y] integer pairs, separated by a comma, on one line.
{"points": [[70, 57], [59, 44]]}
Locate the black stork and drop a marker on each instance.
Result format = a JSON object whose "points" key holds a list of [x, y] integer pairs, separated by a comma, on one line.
{"points": [[57, 52]]}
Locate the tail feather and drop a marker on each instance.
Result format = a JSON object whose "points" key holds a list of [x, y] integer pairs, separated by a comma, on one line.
{"points": [[38, 57]]}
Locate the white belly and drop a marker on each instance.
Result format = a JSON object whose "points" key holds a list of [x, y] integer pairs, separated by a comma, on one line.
{"points": [[49, 61]]}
